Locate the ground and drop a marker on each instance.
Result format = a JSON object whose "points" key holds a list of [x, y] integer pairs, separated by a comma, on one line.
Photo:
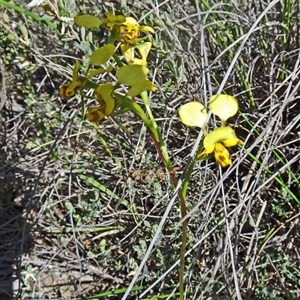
{"points": [[82, 203]]}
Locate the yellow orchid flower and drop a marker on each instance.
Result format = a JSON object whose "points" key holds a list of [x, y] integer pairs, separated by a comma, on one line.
{"points": [[217, 141], [68, 90], [129, 30], [111, 22], [103, 94], [126, 28]]}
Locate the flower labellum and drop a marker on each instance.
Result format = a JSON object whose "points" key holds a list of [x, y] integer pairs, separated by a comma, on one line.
{"points": [[222, 155], [69, 89], [216, 141]]}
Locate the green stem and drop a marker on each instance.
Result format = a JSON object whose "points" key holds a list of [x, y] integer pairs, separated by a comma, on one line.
{"points": [[184, 228], [111, 40], [162, 146], [183, 192], [163, 153]]}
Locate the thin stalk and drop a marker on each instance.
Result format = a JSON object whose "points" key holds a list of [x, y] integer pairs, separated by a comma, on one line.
{"points": [[163, 153]]}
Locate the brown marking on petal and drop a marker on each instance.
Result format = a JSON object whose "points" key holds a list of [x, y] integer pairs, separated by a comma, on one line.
{"points": [[93, 116], [222, 155], [223, 161], [63, 90]]}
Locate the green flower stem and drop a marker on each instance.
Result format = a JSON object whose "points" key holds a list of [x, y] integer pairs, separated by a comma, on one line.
{"points": [[111, 40], [183, 193], [87, 83], [118, 60], [183, 244], [163, 152], [154, 128]]}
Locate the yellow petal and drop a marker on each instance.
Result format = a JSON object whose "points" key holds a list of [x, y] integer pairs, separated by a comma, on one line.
{"points": [[144, 85], [138, 61], [129, 30], [223, 106], [132, 74], [207, 150], [103, 93], [147, 29], [87, 21], [144, 50], [222, 155], [102, 55], [95, 114], [222, 134], [99, 71], [232, 142], [117, 19], [63, 90], [73, 87], [128, 52], [112, 20], [76, 70], [68, 90], [193, 114]]}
